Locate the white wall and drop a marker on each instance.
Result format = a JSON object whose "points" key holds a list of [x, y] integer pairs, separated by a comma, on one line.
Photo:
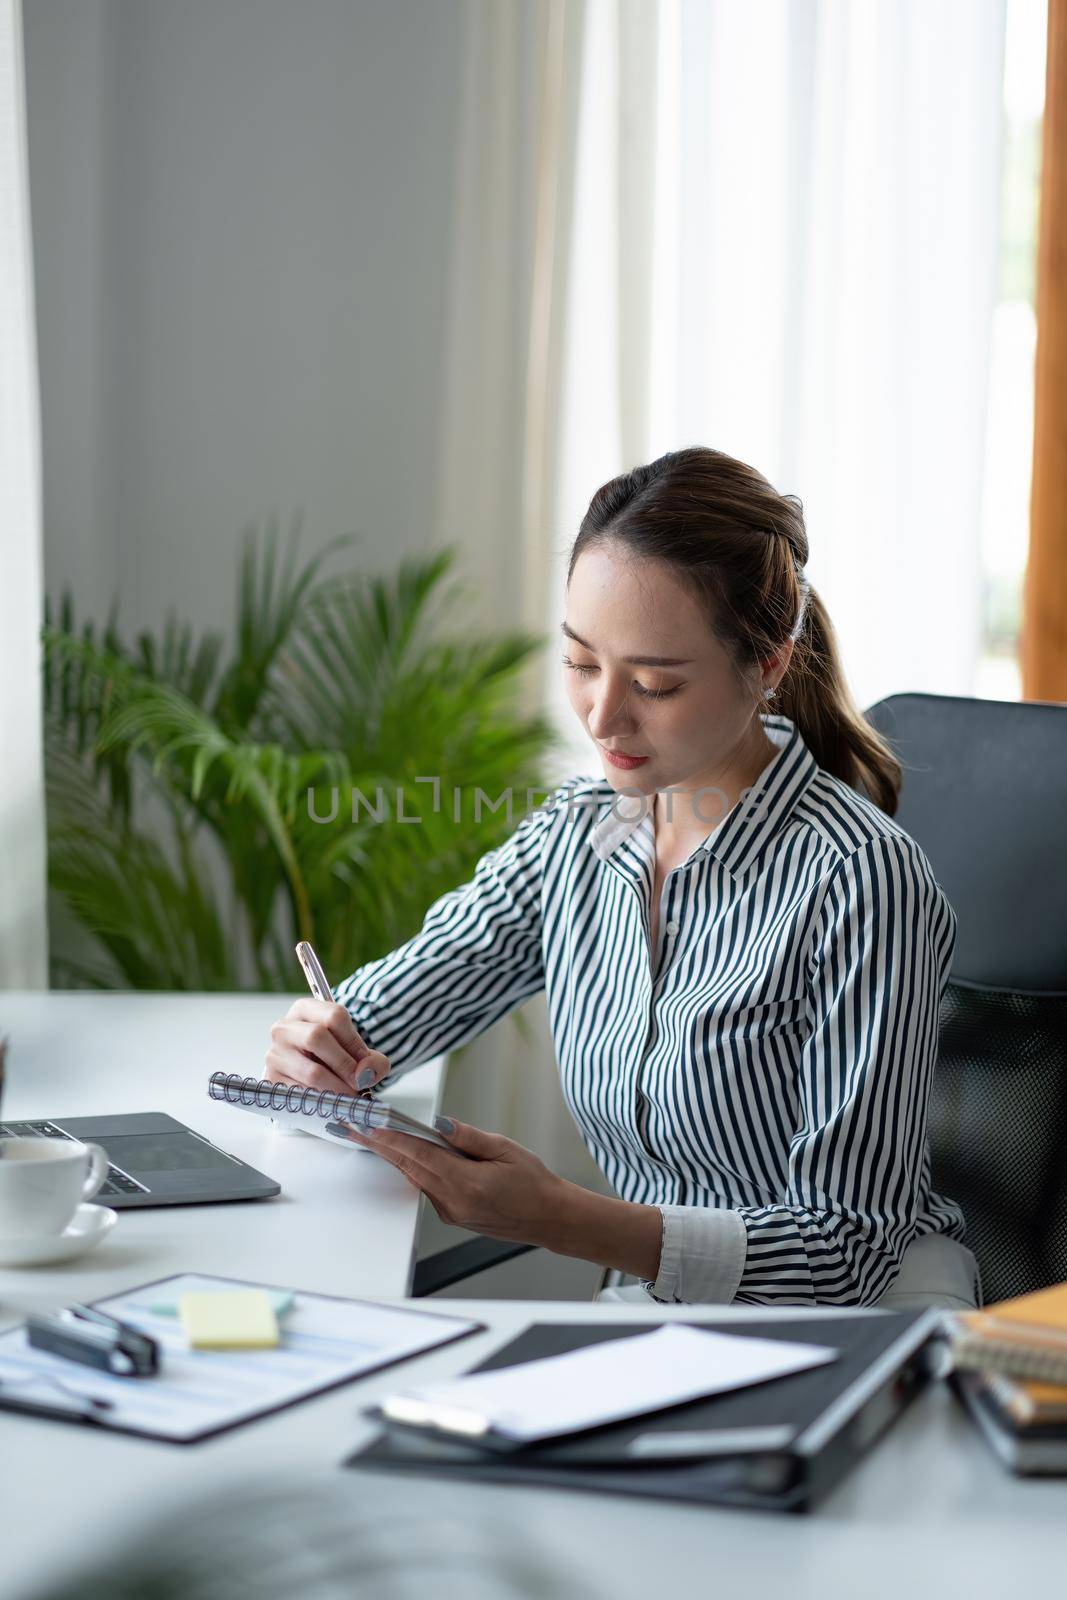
{"points": [[242, 218], [241, 223], [70, 61]]}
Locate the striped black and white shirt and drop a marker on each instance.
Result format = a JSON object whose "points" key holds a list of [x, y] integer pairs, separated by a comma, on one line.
{"points": [[762, 1077]]}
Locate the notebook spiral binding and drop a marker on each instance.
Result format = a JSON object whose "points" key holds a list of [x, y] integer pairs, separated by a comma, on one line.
{"points": [[331, 1106], [980, 1355]]}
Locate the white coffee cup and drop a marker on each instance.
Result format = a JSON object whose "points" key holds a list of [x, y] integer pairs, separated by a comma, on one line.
{"points": [[43, 1181]]}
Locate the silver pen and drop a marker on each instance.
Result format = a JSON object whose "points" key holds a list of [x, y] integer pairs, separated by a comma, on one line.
{"points": [[319, 985], [377, 1112]]}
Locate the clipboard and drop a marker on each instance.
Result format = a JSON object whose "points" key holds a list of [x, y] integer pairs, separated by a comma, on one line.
{"points": [[327, 1341], [779, 1445]]}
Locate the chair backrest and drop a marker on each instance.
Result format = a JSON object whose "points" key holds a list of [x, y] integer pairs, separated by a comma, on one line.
{"points": [[985, 794]]}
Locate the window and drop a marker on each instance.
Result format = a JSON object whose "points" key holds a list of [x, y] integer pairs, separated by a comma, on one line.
{"points": [[1010, 416]]}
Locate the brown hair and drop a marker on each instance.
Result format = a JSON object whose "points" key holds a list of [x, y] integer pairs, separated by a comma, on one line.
{"points": [[740, 548]]}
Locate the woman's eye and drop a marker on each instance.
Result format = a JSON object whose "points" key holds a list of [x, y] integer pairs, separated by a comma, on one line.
{"points": [[647, 694], [657, 694]]}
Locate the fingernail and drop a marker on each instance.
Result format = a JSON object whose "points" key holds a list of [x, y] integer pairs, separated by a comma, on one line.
{"points": [[444, 1124], [364, 1077]]}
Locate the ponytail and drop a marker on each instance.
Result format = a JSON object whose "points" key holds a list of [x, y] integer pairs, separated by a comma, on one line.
{"points": [[815, 695]]}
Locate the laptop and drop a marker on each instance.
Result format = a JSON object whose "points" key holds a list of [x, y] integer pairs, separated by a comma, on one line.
{"points": [[154, 1160]]}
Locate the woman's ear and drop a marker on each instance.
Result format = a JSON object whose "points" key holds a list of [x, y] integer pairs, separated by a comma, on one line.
{"points": [[774, 668]]}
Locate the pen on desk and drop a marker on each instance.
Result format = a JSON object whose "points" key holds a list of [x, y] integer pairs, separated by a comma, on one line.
{"points": [[698, 1444], [91, 1404]]}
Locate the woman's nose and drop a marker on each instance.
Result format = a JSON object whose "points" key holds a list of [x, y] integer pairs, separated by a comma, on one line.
{"points": [[610, 712]]}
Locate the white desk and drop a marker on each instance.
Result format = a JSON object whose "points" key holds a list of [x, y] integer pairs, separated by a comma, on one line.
{"points": [[344, 1222], [929, 1514]]}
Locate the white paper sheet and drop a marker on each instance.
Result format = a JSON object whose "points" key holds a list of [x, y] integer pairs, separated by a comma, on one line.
{"points": [[604, 1382]]}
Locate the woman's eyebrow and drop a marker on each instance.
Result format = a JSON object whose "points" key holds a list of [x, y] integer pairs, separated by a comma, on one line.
{"points": [[633, 661]]}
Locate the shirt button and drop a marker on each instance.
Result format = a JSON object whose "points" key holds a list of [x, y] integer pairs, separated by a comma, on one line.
{"points": [[672, 927]]}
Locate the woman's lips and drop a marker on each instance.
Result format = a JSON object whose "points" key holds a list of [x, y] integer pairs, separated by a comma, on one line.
{"points": [[617, 759]]}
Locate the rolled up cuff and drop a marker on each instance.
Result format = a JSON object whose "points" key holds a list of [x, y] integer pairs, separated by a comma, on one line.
{"points": [[702, 1255]]}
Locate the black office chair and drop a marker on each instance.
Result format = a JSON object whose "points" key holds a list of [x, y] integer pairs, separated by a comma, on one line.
{"points": [[985, 794]]}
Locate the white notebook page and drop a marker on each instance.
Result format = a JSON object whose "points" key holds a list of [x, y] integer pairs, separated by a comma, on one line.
{"points": [[603, 1382]]}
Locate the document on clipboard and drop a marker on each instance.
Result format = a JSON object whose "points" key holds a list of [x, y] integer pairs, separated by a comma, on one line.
{"points": [[326, 1341]]}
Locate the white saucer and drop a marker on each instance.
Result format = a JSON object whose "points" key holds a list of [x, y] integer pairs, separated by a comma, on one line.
{"points": [[86, 1228]]}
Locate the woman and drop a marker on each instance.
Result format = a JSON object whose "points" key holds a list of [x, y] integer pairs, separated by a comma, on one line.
{"points": [[743, 955]]}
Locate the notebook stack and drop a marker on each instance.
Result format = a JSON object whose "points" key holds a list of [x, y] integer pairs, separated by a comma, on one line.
{"points": [[1010, 1370]]}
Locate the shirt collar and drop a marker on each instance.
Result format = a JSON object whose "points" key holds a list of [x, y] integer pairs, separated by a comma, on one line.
{"points": [[754, 819]]}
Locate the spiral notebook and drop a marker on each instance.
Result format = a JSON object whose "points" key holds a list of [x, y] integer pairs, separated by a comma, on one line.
{"points": [[1025, 1337], [318, 1111]]}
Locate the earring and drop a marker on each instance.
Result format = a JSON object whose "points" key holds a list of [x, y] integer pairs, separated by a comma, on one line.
{"points": [[770, 693]]}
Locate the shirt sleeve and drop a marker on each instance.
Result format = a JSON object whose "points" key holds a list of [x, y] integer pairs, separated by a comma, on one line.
{"points": [[477, 956], [702, 1256], [877, 968]]}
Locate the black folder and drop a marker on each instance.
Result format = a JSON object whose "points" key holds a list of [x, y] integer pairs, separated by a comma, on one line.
{"points": [[781, 1444]]}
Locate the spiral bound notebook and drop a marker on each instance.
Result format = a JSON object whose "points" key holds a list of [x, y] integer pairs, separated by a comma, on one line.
{"points": [[1024, 1337], [317, 1111]]}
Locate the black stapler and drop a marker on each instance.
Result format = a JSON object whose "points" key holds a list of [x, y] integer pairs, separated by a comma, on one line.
{"points": [[79, 1333]]}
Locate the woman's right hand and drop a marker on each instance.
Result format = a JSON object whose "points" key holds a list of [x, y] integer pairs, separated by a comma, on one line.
{"points": [[317, 1046]]}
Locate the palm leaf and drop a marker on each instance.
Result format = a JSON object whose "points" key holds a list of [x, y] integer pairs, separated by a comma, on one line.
{"points": [[157, 921], [272, 590], [169, 765]]}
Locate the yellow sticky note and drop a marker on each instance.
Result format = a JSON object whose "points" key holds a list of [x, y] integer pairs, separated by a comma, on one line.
{"points": [[228, 1319]]}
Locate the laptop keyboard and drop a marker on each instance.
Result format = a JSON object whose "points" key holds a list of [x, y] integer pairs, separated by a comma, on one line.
{"points": [[116, 1182]]}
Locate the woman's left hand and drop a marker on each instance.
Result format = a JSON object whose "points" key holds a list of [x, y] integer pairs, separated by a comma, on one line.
{"points": [[504, 1191]]}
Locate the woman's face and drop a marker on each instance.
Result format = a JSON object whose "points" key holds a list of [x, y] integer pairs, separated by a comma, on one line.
{"points": [[646, 676]]}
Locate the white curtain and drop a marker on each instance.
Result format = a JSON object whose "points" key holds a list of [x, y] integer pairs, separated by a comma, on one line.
{"points": [[500, 443], [785, 246], [504, 322], [23, 927]]}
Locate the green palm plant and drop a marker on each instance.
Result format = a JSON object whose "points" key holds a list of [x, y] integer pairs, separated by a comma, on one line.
{"points": [[200, 806]]}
